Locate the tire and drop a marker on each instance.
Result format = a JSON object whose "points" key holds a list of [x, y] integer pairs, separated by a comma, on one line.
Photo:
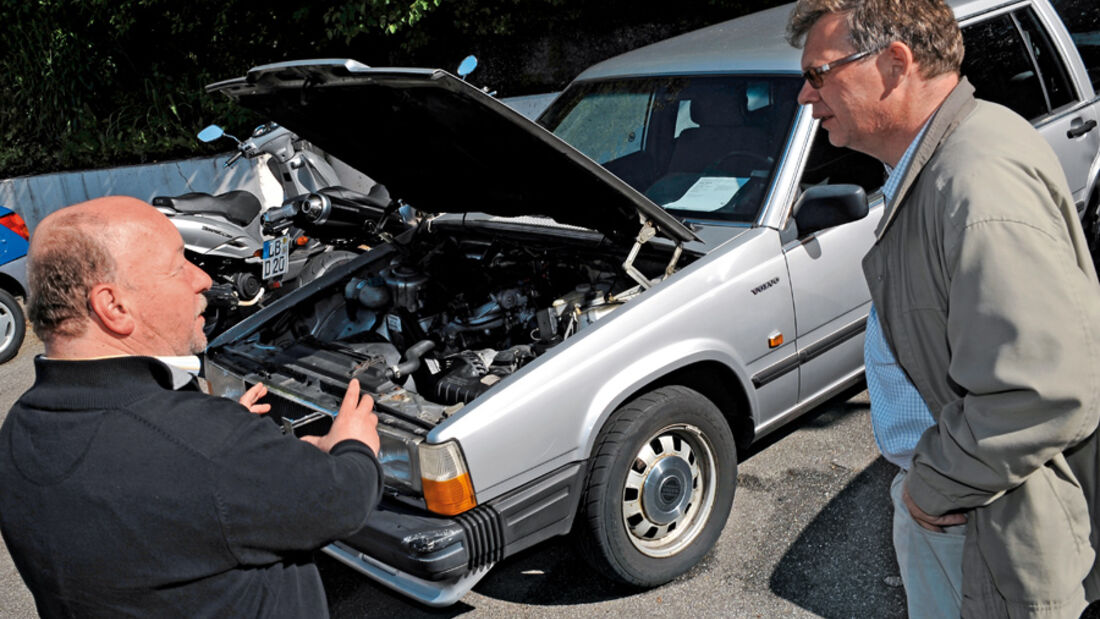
{"points": [[13, 326], [1091, 225], [639, 523]]}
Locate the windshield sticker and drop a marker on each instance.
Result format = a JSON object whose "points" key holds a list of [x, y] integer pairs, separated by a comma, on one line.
{"points": [[708, 194]]}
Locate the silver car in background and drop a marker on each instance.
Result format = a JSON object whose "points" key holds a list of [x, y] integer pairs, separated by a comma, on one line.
{"points": [[590, 317]]}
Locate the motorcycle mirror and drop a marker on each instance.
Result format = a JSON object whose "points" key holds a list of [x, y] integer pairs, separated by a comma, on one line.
{"points": [[467, 66], [211, 133]]}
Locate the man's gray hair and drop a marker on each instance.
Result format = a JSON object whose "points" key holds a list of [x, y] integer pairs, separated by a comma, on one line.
{"points": [[928, 27]]}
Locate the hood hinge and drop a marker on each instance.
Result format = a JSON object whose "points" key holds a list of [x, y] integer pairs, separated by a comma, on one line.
{"points": [[644, 235]]}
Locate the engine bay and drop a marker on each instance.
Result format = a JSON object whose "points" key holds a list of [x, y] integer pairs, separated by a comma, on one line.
{"points": [[433, 322]]}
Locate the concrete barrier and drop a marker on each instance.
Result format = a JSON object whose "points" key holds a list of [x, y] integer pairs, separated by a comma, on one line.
{"points": [[34, 197]]}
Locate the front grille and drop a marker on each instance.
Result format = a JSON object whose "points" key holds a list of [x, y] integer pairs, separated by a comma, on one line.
{"points": [[485, 534]]}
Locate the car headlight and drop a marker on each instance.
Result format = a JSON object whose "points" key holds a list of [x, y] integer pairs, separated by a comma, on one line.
{"points": [[445, 480], [223, 382], [398, 458]]}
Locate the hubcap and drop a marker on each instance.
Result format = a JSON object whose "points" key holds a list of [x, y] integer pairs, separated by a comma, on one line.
{"points": [[666, 491], [7, 327], [669, 490]]}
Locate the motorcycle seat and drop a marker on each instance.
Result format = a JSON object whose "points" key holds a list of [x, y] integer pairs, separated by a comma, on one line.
{"points": [[239, 207]]}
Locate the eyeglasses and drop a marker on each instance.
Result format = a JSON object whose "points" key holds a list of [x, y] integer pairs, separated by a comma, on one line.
{"points": [[816, 75]]}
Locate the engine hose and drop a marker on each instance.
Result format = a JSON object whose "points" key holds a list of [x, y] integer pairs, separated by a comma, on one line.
{"points": [[412, 360], [253, 301]]}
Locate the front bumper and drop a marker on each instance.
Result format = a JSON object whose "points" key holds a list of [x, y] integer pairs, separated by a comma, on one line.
{"points": [[438, 559]]}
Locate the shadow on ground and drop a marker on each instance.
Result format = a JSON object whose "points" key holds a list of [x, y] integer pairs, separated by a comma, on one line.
{"points": [[845, 555], [823, 416]]}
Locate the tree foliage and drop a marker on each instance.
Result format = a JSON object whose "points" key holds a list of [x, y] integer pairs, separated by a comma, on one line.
{"points": [[96, 83]]}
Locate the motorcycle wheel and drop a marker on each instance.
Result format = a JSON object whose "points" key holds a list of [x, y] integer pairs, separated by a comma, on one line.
{"points": [[247, 285]]}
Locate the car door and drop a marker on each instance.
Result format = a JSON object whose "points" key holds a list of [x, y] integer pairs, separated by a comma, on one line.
{"points": [[830, 294], [1011, 59]]}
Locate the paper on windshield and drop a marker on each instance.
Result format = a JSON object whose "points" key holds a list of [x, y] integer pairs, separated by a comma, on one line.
{"points": [[708, 194]]}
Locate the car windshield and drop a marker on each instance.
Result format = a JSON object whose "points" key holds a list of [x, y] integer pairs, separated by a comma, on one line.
{"points": [[705, 147]]}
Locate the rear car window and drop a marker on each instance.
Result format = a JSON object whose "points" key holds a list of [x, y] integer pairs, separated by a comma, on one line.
{"points": [[1010, 60], [1082, 19]]}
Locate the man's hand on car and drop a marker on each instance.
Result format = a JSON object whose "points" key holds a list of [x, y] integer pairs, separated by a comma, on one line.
{"points": [[356, 420], [252, 397]]}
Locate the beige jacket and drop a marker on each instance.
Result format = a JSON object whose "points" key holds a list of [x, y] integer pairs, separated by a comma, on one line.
{"points": [[989, 300]]}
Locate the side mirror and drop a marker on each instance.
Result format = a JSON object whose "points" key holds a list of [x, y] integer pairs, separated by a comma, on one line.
{"points": [[211, 133], [826, 206], [467, 66]]}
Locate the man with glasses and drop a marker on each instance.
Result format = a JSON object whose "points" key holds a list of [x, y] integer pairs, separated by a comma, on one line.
{"points": [[983, 338]]}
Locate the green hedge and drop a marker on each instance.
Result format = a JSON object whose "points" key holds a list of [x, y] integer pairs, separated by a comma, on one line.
{"points": [[101, 83]]}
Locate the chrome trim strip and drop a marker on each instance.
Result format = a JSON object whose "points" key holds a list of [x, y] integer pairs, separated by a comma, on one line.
{"points": [[774, 371], [836, 339], [806, 405], [436, 594], [792, 362]]}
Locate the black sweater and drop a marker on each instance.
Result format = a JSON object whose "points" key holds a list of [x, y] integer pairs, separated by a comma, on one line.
{"points": [[122, 497]]}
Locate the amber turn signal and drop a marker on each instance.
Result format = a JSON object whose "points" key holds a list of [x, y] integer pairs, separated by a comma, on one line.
{"points": [[451, 497], [445, 480]]}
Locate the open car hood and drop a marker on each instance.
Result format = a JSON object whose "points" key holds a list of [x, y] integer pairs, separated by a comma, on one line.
{"points": [[442, 145]]}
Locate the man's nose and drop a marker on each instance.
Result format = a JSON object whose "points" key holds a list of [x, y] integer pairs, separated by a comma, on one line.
{"points": [[808, 94], [201, 279]]}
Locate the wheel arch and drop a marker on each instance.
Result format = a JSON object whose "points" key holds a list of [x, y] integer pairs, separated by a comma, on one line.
{"points": [[12, 285], [714, 380], [719, 384]]}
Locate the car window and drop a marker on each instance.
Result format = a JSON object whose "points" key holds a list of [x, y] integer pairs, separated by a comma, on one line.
{"points": [[1010, 61], [832, 165], [1083, 22], [1052, 72], [703, 147], [607, 125], [757, 97], [683, 119]]}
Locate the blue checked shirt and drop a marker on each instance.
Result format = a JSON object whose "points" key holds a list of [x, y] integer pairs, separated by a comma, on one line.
{"points": [[899, 415]]}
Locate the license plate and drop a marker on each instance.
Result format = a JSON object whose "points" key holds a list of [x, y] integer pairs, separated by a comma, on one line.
{"points": [[275, 257]]}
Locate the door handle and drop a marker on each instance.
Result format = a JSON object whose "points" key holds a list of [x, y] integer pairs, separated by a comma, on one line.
{"points": [[1081, 129]]}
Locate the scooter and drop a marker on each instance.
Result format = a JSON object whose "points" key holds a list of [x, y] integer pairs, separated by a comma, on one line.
{"points": [[225, 234]]}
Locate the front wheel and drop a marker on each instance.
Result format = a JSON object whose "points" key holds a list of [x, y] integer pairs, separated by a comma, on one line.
{"points": [[13, 326], [659, 489], [1091, 225]]}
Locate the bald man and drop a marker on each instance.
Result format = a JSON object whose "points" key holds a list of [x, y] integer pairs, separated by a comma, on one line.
{"points": [[124, 490]]}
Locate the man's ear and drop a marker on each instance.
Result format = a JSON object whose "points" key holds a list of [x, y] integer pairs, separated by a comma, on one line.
{"points": [[110, 309], [896, 61]]}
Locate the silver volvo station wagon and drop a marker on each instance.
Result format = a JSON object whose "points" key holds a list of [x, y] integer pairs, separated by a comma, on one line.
{"points": [[575, 326]]}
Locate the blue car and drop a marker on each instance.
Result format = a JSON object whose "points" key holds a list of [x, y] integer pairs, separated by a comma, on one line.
{"points": [[13, 281]]}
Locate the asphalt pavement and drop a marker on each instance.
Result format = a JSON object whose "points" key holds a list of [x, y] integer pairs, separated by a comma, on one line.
{"points": [[809, 536]]}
